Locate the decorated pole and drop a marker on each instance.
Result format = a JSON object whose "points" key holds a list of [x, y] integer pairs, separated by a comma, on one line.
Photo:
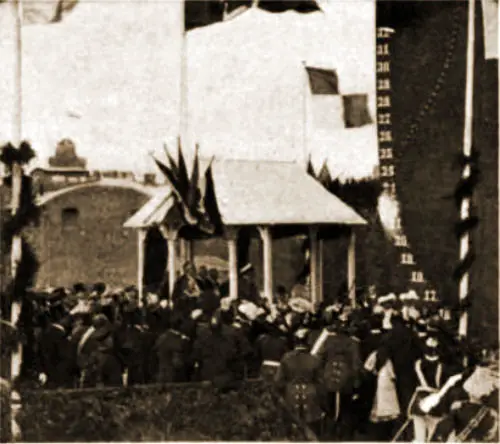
{"points": [[16, 301], [16, 179], [466, 174]]}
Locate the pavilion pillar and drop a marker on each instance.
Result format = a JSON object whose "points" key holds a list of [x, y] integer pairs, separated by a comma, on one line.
{"points": [[351, 268], [186, 250], [267, 244], [321, 282], [171, 235], [141, 243], [315, 262], [232, 244]]}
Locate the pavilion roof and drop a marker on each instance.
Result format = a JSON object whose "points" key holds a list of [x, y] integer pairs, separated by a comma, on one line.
{"points": [[260, 193]]}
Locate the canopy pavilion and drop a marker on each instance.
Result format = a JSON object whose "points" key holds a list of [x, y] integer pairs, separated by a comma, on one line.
{"points": [[279, 199]]}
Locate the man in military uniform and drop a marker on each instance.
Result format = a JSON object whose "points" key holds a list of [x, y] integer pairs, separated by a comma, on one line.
{"points": [[299, 380]]}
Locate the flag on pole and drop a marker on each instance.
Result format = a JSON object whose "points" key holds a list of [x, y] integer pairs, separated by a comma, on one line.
{"points": [[323, 81], [356, 113], [330, 107], [324, 177]]}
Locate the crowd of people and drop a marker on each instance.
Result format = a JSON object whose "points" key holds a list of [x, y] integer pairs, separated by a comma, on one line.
{"points": [[342, 370]]}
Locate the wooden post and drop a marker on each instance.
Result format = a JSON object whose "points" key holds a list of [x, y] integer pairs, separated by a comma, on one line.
{"points": [[351, 268], [171, 236], [314, 272], [232, 243], [321, 264], [267, 244], [467, 150], [141, 240], [17, 173], [189, 250]]}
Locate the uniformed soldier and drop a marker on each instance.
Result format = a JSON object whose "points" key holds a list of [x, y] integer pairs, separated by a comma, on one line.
{"points": [[299, 380], [340, 356]]}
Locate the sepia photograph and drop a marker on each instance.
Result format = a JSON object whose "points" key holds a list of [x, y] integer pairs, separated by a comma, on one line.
{"points": [[249, 220]]}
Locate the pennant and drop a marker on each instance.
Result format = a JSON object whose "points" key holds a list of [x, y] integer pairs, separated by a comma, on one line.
{"points": [[210, 212], [324, 177], [310, 168], [172, 163], [323, 81], [174, 183], [183, 174], [194, 194], [356, 113]]}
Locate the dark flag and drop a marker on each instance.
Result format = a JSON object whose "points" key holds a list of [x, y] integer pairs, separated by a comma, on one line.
{"points": [[302, 6], [356, 113], [194, 194], [199, 13], [182, 171], [310, 168], [323, 81], [324, 177]]}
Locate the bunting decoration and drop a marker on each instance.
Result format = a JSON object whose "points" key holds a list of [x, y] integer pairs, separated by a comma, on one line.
{"points": [[195, 196]]}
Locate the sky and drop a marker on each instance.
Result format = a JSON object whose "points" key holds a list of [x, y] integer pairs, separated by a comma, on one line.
{"points": [[109, 78]]}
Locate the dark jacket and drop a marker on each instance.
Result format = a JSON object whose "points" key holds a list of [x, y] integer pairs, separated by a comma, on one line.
{"points": [[172, 350], [55, 357], [402, 346], [216, 355], [299, 380], [331, 346]]}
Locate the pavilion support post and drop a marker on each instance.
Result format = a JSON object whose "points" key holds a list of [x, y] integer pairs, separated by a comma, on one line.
{"points": [[171, 235], [141, 242], [313, 238], [232, 243], [267, 243], [351, 268], [321, 283], [189, 250]]}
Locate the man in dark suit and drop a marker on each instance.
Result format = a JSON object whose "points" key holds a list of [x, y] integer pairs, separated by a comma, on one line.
{"points": [[54, 351], [186, 286]]}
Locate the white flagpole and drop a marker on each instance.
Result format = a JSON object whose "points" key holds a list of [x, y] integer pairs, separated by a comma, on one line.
{"points": [[183, 99], [467, 150], [16, 306]]}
